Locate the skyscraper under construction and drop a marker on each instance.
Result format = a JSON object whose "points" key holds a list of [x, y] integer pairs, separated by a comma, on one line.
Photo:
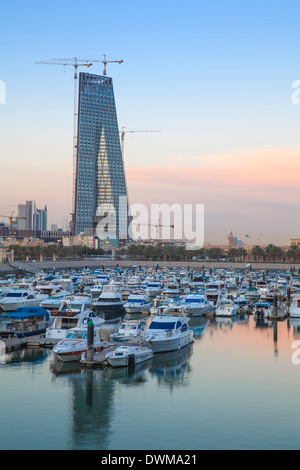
{"points": [[100, 178]]}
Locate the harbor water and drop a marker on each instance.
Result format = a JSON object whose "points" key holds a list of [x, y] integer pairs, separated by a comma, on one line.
{"points": [[236, 387]]}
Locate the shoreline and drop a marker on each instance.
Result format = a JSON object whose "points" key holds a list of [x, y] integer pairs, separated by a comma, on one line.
{"points": [[48, 266]]}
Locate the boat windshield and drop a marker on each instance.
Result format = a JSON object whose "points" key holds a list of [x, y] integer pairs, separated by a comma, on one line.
{"points": [[16, 294], [162, 325], [109, 300], [77, 336]]}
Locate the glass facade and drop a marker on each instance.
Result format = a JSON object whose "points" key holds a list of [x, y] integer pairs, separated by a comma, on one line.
{"points": [[100, 178]]}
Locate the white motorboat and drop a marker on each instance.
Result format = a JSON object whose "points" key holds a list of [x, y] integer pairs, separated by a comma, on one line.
{"points": [[75, 344], [172, 290], [226, 308], [125, 356], [213, 292], [131, 329], [110, 303], [154, 288], [45, 291], [137, 303], [16, 298], [102, 279], [253, 294], [168, 333], [197, 305], [96, 290], [53, 302], [134, 281]]}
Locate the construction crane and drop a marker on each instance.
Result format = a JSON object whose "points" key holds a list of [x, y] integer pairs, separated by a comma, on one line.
{"points": [[74, 63], [10, 217], [123, 132], [104, 62], [157, 226]]}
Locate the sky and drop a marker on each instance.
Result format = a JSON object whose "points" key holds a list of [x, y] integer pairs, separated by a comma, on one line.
{"points": [[214, 77]]}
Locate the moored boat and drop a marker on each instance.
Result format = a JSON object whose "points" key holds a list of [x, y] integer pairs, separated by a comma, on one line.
{"points": [[168, 333], [25, 321], [125, 356], [75, 344]]}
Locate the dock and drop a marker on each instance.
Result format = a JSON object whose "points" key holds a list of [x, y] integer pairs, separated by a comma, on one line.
{"points": [[15, 344]]}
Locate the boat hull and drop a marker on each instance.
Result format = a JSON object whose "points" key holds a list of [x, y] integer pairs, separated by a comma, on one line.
{"points": [[168, 344], [73, 356]]}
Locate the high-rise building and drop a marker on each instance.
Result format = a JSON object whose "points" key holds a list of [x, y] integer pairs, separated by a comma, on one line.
{"points": [[21, 221], [30, 211], [100, 178], [31, 218], [40, 219]]}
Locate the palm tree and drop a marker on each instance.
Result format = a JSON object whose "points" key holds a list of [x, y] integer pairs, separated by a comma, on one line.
{"points": [[257, 252], [274, 252], [293, 253]]}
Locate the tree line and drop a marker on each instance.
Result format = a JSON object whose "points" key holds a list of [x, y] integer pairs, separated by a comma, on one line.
{"points": [[22, 253], [271, 253]]}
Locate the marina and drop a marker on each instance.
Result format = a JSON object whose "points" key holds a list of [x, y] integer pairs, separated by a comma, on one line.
{"points": [[113, 294], [132, 378]]}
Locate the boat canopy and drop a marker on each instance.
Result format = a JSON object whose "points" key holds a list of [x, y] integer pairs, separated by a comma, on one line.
{"points": [[25, 312]]}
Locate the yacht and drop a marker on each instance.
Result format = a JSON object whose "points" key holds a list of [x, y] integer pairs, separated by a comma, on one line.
{"points": [[134, 281], [137, 303], [154, 288], [213, 292], [45, 291], [103, 279], [227, 308], [109, 303], [197, 305], [72, 312], [131, 329], [125, 356], [253, 294], [169, 333], [16, 298], [172, 290], [53, 302], [96, 290]]}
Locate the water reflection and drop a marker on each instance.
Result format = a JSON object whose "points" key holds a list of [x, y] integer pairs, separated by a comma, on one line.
{"points": [[130, 375], [172, 368], [93, 396], [32, 355]]}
